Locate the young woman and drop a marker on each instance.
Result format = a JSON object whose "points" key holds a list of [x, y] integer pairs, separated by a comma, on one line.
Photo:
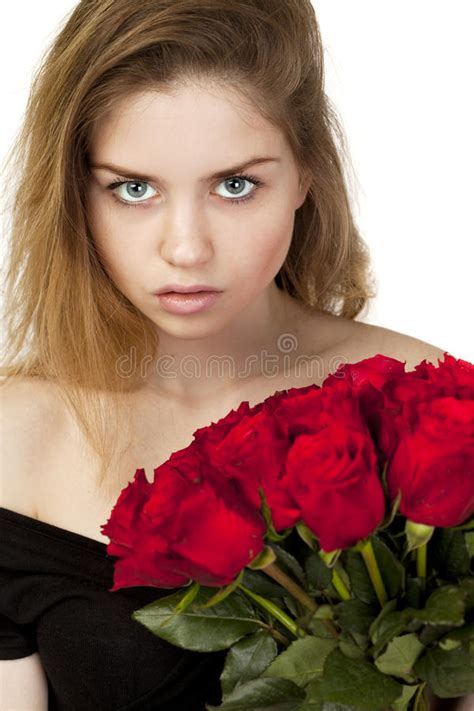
{"points": [[167, 147]]}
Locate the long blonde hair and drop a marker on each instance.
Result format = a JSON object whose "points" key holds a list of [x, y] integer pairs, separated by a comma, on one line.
{"points": [[65, 320]]}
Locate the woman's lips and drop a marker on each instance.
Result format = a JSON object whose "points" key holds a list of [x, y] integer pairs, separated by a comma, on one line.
{"points": [[179, 303]]}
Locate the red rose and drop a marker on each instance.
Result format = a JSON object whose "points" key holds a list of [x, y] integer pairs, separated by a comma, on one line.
{"points": [[452, 377], [375, 370], [369, 379], [251, 456], [185, 526], [433, 464], [301, 412], [331, 469], [125, 522], [248, 448], [426, 383], [273, 402], [210, 435]]}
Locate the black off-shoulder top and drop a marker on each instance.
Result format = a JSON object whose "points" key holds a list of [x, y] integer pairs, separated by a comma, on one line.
{"points": [[55, 599]]}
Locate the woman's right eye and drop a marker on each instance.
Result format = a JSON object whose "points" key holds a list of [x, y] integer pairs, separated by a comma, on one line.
{"points": [[131, 192]]}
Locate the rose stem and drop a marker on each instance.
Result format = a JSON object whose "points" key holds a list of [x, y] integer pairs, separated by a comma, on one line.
{"points": [[421, 554], [273, 571], [370, 561], [276, 611], [276, 634], [340, 586]]}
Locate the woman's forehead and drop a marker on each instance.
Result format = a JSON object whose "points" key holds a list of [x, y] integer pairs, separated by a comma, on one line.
{"points": [[191, 109], [194, 129]]}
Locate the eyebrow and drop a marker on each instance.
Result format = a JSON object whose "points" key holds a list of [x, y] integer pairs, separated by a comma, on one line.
{"points": [[137, 175]]}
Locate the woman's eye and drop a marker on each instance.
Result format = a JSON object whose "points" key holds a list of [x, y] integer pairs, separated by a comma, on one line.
{"points": [[235, 186], [134, 192]]}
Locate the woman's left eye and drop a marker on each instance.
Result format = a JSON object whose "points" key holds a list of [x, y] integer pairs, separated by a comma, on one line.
{"points": [[240, 180], [135, 192]]}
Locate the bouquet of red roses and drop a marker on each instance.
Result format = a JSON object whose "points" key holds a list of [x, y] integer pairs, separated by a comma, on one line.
{"points": [[324, 537]]}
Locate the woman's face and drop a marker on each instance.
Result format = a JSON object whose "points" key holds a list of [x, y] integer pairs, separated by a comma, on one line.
{"points": [[173, 220]]}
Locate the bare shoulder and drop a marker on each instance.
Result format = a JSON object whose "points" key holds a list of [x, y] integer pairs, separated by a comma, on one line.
{"points": [[356, 340], [30, 417], [29, 401], [402, 346]]}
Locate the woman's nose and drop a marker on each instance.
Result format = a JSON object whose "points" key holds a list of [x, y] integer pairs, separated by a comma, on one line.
{"points": [[186, 239]]}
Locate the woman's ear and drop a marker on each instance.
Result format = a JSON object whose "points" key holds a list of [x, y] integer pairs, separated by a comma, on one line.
{"points": [[303, 187]]}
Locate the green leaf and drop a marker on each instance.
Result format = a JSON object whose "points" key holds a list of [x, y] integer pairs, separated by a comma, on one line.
{"points": [[414, 592], [355, 616], [449, 643], [390, 626], [302, 660], [247, 659], [319, 575], [448, 553], [292, 605], [223, 592], [324, 612], [314, 701], [467, 586], [389, 607], [357, 682], [260, 583], [306, 535], [279, 694], [188, 597], [349, 648], [361, 584], [329, 706], [391, 570], [445, 606], [324, 705], [200, 629], [311, 705], [460, 634], [400, 656], [317, 628], [449, 673], [469, 541], [293, 568], [433, 633], [402, 703]]}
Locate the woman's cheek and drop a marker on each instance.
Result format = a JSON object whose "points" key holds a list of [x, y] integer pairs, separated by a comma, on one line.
{"points": [[273, 242]]}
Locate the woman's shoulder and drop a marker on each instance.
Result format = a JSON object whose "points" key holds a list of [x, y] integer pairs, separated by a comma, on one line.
{"points": [[402, 346], [28, 400], [356, 340], [30, 416]]}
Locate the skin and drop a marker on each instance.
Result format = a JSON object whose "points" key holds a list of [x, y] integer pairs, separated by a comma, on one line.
{"points": [[187, 231]]}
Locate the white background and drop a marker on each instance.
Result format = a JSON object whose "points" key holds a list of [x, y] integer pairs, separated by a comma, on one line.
{"points": [[400, 75]]}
